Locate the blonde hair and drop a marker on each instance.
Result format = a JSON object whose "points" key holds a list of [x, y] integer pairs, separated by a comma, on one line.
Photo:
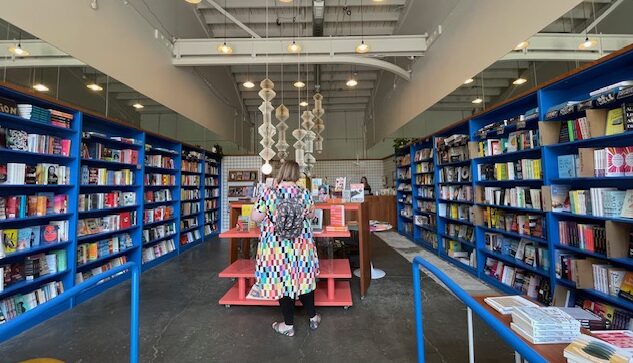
{"points": [[289, 171]]}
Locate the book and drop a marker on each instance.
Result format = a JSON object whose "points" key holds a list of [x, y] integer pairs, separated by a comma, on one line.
{"points": [[622, 339], [10, 239], [567, 166], [340, 184], [626, 288], [560, 198], [614, 165], [505, 304], [317, 221], [357, 193], [315, 185], [627, 205], [615, 122], [589, 349], [337, 215]]}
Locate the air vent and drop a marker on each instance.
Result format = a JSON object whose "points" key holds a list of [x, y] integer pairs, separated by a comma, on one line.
{"points": [[318, 11]]}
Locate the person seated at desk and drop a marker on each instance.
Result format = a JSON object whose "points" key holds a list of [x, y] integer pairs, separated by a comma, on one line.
{"points": [[287, 263], [366, 184]]}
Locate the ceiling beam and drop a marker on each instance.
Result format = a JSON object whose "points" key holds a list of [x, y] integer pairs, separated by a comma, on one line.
{"points": [[259, 4], [604, 14], [233, 19], [291, 91], [380, 46], [561, 46], [259, 17], [291, 96], [209, 60], [325, 76]]}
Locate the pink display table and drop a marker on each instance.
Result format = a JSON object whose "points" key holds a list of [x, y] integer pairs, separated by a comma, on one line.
{"points": [[330, 292]]}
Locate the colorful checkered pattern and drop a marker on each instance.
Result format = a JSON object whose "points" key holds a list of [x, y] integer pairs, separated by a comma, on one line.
{"points": [[285, 267]]}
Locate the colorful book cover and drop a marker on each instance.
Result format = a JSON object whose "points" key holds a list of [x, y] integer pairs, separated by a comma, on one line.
{"points": [[339, 186], [615, 122], [560, 198], [10, 240], [50, 234], [357, 193], [316, 184], [626, 288], [628, 160], [615, 162]]}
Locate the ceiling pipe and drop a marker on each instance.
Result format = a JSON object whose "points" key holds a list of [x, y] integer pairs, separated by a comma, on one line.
{"points": [[318, 14]]}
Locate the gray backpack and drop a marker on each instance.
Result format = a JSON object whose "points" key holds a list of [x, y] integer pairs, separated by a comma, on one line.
{"points": [[290, 214]]}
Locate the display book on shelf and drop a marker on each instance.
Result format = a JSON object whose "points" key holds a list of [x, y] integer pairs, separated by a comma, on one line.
{"points": [[404, 191], [71, 202], [211, 195], [564, 194]]}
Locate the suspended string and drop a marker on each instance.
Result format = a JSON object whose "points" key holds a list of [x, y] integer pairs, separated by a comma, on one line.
{"points": [[266, 38]]}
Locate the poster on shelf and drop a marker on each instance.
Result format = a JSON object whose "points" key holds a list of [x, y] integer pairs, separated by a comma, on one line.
{"points": [[358, 193]]}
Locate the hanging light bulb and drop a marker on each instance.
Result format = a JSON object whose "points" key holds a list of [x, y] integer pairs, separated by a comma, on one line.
{"points": [[285, 1], [40, 87], [299, 84], [477, 100], [18, 51], [303, 103], [248, 84], [587, 43], [519, 81], [524, 44], [352, 83], [469, 81], [193, 1], [94, 87], [137, 106], [225, 48], [294, 47], [362, 47], [267, 168]]}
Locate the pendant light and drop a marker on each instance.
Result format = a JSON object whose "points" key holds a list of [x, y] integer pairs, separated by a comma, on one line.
{"points": [[303, 103], [267, 130], [523, 45], [94, 86], [469, 81], [17, 49], [225, 48], [193, 1], [39, 86], [589, 43], [248, 83], [362, 47], [299, 84]]}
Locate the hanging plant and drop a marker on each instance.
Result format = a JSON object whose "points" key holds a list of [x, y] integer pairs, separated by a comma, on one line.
{"points": [[400, 143]]}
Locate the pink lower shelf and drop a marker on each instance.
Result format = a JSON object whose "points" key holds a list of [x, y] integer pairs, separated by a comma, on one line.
{"points": [[329, 292], [342, 296]]}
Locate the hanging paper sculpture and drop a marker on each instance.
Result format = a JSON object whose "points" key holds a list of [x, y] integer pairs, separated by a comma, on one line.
{"points": [[282, 114], [308, 140], [267, 130], [319, 126]]}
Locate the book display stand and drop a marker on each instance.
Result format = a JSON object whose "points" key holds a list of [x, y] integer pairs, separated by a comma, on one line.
{"points": [[81, 194], [331, 292], [542, 199], [404, 194]]}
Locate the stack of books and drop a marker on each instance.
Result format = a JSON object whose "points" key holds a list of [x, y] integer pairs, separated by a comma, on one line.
{"points": [[544, 325], [589, 349], [587, 319], [34, 113]]}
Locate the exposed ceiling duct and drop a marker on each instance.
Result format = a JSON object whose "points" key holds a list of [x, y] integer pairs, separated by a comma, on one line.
{"points": [[318, 12]]}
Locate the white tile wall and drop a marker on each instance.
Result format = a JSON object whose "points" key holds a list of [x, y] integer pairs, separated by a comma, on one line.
{"points": [[372, 169], [389, 169]]}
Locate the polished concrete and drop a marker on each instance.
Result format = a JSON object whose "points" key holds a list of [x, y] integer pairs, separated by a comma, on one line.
{"points": [[182, 322]]}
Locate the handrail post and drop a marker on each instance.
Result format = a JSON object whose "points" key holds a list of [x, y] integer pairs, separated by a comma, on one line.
{"points": [[134, 314], [417, 301]]}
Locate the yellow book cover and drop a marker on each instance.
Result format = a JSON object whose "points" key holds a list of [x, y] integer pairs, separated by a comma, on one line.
{"points": [[615, 122], [93, 251], [247, 209], [537, 168], [454, 212]]}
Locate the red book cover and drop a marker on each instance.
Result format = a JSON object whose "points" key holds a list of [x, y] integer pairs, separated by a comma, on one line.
{"points": [[615, 161], [628, 161], [337, 215], [110, 200], [589, 243], [65, 147], [577, 130], [134, 156], [158, 214], [60, 203], [125, 220], [12, 206]]}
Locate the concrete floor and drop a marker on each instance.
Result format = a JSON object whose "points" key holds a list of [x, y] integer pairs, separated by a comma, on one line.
{"points": [[182, 322]]}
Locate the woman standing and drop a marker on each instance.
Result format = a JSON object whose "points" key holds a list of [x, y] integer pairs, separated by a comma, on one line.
{"points": [[287, 261], [366, 185]]}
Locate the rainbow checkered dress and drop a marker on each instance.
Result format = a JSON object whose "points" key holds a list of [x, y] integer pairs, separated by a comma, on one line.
{"points": [[285, 267]]}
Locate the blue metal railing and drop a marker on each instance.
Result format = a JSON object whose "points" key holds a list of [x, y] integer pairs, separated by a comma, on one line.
{"points": [[500, 328], [76, 290]]}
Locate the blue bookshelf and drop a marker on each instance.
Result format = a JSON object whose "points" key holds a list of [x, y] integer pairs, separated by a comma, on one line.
{"points": [[543, 111], [161, 204], [404, 194], [424, 206], [192, 188], [84, 249], [211, 194]]}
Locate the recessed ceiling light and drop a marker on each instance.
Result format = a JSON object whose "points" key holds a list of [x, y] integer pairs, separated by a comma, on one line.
{"points": [[469, 81], [299, 84], [378, 1], [519, 81], [477, 100], [303, 103], [587, 43], [362, 47], [352, 83], [193, 1], [95, 87], [225, 48], [137, 106], [524, 44], [294, 47], [18, 51], [248, 84], [285, 1], [40, 87]]}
